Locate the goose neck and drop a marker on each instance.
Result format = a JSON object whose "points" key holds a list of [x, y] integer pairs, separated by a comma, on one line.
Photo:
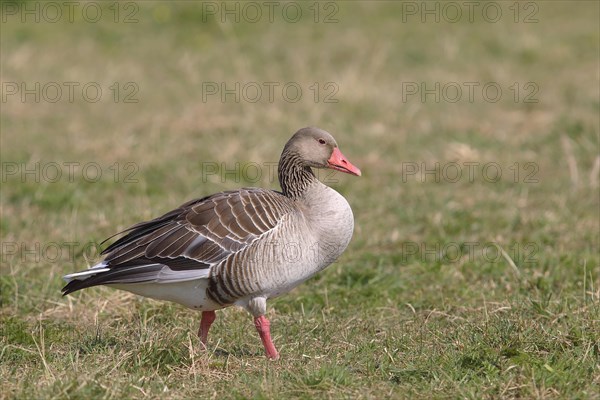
{"points": [[294, 177]]}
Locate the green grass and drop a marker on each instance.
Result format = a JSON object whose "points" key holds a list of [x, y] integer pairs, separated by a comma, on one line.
{"points": [[398, 315]]}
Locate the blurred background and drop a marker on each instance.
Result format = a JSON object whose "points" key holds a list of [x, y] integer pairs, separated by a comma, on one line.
{"points": [[476, 128]]}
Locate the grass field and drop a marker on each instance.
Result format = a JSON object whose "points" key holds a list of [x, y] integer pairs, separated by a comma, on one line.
{"points": [[474, 270]]}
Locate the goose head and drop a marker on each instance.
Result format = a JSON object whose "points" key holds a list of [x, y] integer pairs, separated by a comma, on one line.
{"points": [[314, 147]]}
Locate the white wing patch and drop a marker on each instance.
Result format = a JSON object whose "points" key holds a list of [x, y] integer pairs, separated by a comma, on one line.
{"points": [[167, 275], [96, 269]]}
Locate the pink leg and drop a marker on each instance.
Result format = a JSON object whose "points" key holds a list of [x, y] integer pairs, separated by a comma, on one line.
{"points": [[263, 326], [208, 317]]}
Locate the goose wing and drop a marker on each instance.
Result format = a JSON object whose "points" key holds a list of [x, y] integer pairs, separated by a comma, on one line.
{"points": [[185, 243]]}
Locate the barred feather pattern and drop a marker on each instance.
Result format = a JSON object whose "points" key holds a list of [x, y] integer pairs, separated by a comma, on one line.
{"points": [[294, 178]]}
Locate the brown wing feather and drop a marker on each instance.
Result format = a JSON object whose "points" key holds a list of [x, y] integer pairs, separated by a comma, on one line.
{"points": [[205, 231]]}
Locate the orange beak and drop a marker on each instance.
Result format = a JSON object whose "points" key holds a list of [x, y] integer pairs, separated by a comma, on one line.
{"points": [[338, 162]]}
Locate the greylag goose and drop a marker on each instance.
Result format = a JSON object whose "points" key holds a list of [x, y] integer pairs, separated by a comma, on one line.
{"points": [[238, 247]]}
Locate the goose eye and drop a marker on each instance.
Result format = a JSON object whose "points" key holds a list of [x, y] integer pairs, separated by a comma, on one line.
{"points": [[322, 141]]}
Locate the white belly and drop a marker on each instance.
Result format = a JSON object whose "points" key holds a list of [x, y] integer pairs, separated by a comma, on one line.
{"points": [[191, 294]]}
